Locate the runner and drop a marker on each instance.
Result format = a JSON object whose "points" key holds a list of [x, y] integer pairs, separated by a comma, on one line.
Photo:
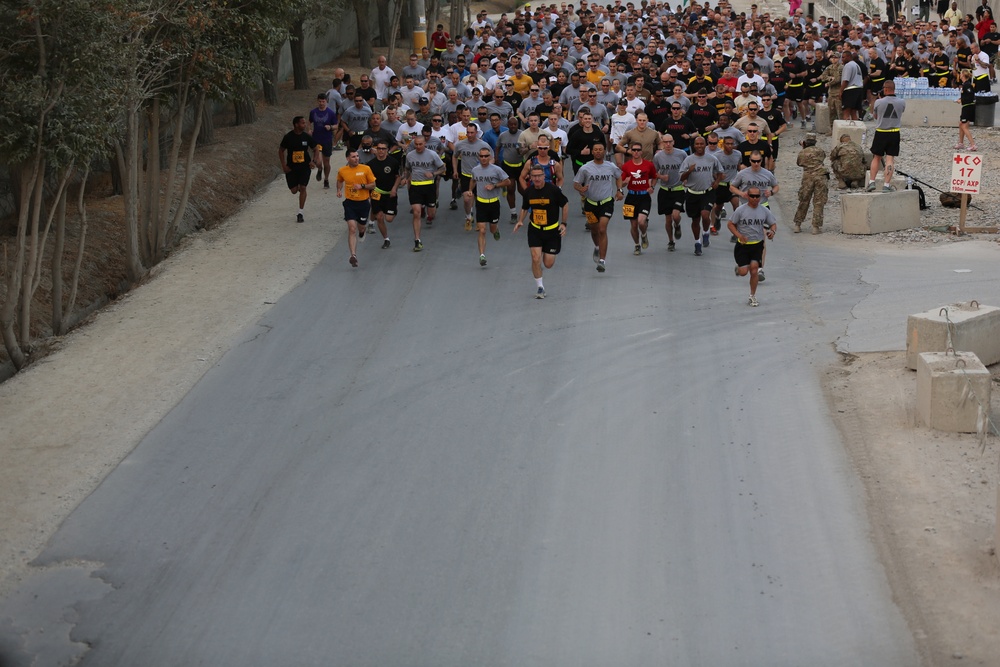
{"points": [[751, 223], [670, 198], [888, 111], [324, 124], [356, 181], [767, 184], [547, 161], [701, 174], [421, 171], [486, 182], [292, 153], [547, 226], [730, 161], [508, 156], [464, 158], [600, 183], [384, 201], [639, 178]]}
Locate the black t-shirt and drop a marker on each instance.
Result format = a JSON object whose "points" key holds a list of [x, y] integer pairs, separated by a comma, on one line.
{"points": [[545, 204], [385, 172], [367, 94], [578, 139], [746, 148], [658, 114], [991, 49], [774, 118], [297, 147], [702, 117], [678, 127]]}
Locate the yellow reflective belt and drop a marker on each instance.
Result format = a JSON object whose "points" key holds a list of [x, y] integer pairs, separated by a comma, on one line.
{"points": [[511, 164], [697, 192], [674, 188], [487, 201], [749, 242], [381, 191], [891, 129], [421, 182], [598, 203], [545, 229]]}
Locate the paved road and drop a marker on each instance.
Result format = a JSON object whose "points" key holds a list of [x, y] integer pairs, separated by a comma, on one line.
{"points": [[417, 463]]}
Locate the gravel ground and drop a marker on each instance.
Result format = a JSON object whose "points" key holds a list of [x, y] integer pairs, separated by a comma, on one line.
{"points": [[926, 154]]}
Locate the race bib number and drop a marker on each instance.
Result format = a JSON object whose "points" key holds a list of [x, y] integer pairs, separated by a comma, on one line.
{"points": [[591, 218], [628, 210], [540, 217], [298, 157], [376, 195]]}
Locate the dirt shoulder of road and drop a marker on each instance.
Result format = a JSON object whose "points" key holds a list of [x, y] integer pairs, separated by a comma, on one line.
{"points": [[71, 418]]}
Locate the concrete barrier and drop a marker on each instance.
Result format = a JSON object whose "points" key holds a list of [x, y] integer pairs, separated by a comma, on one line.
{"points": [[950, 391], [939, 113], [823, 120], [877, 212], [854, 128], [974, 328]]}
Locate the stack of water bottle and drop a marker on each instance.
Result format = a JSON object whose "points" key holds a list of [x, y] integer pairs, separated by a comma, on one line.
{"points": [[908, 87]]}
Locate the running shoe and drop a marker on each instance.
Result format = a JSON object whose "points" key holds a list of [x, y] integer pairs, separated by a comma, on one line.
{"points": [[697, 249], [600, 266], [752, 301], [299, 218], [706, 239], [339, 146], [677, 231], [354, 261], [371, 227], [887, 188], [670, 246], [482, 260], [361, 232], [496, 235], [760, 275], [871, 187], [736, 270], [714, 231], [453, 205], [637, 251], [385, 244], [468, 223], [417, 246], [722, 213], [645, 241], [326, 185], [597, 255], [513, 218], [803, 123], [973, 148], [733, 239], [540, 294], [319, 175]]}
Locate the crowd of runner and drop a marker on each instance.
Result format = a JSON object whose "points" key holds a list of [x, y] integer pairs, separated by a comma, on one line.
{"points": [[634, 104]]}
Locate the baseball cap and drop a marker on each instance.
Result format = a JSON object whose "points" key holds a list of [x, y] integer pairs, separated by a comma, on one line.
{"points": [[623, 102], [423, 100]]}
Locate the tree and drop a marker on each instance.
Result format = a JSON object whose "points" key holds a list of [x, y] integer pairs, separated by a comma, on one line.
{"points": [[364, 32], [54, 115]]}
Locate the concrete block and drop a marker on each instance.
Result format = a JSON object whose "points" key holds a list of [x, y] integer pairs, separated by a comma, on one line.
{"points": [[823, 120], [939, 113], [974, 328], [877, 212], [950, 388], [854, 128]]}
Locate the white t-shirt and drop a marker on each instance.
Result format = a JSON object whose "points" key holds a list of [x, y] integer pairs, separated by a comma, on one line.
{"points": [[620, 125], [380, 77]]}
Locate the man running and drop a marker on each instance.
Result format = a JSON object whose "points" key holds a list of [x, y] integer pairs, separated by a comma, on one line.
{"points": [[730, 161], [292, 153], [750, 224], [384, 201], [421, 171], [464, 158], [670, 198], [701, 174], [600, 183], [549, 210], [356, 181], [509, 157], [639, 178], [486, 183], [324, 125]]}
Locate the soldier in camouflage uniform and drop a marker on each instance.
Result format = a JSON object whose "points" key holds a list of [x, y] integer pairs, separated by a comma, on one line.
{"points": [[831, 77], [848, 162], [815, 184]]}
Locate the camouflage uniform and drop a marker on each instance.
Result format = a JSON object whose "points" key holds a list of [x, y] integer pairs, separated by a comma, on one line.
{"points": [[831, 77], [815, 184], [848, 162]]}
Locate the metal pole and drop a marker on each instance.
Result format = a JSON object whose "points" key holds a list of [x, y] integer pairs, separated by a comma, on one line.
{"points": [[420, 27], [961, 214]]}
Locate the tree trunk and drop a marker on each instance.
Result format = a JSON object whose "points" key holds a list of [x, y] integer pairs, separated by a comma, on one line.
{"points": [[270, 76], [57, 259], [246, 110], [297, 42], [455, 22], [364, 33], [384, 23], [75, 282], [397, 16], [127, 155], [207, 134], [405, 18]]}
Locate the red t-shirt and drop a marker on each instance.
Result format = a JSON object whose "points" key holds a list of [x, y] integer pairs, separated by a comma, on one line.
{"points": [[638, 177], [439, 39]]}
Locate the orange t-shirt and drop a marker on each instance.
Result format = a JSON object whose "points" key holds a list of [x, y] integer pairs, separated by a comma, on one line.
{"points": [[351, 176]]}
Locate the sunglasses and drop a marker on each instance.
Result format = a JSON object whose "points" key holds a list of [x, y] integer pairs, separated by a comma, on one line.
{"points": [[713, 143], [755, 161], [753, 196]]}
